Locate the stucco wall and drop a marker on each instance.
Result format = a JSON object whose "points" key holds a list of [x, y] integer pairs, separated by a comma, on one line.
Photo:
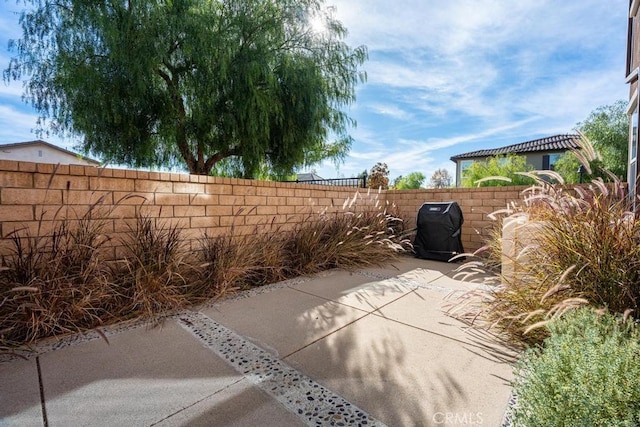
{"points": [[40, 153], [635, 44]]}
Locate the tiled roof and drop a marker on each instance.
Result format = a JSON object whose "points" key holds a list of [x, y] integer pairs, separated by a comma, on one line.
{"points": [[548, 144]]}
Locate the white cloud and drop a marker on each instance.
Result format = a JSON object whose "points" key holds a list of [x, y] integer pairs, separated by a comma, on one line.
{"points": [[575, 95], [18, 126], [456, 74], [390, 110], [445, 50], [458, 26]]}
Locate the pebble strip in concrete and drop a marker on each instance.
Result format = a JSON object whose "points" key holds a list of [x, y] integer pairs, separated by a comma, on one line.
{"points": [[315, 404]]}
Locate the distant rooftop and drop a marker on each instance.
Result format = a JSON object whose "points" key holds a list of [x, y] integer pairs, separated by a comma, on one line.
{"points": [[48, 144], [548, 144], [309, 177]]}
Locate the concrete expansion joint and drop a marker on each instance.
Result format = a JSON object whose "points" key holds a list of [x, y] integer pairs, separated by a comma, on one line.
{"points": [[45, 420], [195, 403], [313, 403], [365, 314]]}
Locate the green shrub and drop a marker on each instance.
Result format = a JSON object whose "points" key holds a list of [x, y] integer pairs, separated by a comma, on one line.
{"points": [[587, 375], [497, 171]]}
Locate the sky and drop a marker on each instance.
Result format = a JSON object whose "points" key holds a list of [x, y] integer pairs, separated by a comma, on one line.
{"points": [[444, 77]]}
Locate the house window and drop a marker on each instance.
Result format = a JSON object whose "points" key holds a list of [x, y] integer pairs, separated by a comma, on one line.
{"points": [[549, 161], [464, 165], [553, 159], [39, 153]]}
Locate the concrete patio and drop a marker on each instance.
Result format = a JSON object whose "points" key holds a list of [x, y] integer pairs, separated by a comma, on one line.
{"points": [[366, 347]]}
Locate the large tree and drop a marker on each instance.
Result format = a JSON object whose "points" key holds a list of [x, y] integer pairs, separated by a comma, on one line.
{"points": [[379, 176], [606, 130], [412, 181], [607, 127], [240, 85], [441, 179]]}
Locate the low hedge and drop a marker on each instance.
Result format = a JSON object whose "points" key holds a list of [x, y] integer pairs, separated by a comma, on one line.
{"points": [[587, 374]]}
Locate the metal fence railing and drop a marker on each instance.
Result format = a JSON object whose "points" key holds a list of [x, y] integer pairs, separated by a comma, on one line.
{"points": [[340, 182]]}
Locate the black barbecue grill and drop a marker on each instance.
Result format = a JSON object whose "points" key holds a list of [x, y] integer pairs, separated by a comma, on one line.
{"points": [[438, 234]]}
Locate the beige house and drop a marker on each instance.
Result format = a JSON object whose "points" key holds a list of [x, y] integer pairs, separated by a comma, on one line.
{"points": [[633, 64], [541, 153], [43, 152]]}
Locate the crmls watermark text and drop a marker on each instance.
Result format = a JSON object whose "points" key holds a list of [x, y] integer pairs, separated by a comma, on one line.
{"points": [[458, 418]]}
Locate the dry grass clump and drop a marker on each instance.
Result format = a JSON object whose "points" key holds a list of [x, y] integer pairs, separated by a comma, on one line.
{"points": [[344, 240], [322, 241], [58, 282], [596, 246], [153, 276], [358, 236], [232, 262], [54, 283], [579, 246]]}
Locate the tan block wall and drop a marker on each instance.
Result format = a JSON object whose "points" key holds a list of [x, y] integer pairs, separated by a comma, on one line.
{"points": [[33, 195], [476, 204]]}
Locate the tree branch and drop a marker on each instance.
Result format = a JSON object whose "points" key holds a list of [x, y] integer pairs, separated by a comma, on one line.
{"points": [[181, 133], [211, 161]]}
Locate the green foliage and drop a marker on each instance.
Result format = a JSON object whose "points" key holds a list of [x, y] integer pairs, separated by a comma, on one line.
{"points": [[608, 128], [192, 82], [410, 182], [441, 179], [587, 375], [568, 165], [378, 176], [497, 171]]}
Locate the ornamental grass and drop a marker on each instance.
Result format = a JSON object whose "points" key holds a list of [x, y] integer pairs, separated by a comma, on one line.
{"points": [[578, 246], [57, 281]]}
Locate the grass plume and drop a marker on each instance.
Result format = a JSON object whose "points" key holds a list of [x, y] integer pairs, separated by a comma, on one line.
{"points": [[59, 282], [152, 277], [577, 246], [54, 283]]}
